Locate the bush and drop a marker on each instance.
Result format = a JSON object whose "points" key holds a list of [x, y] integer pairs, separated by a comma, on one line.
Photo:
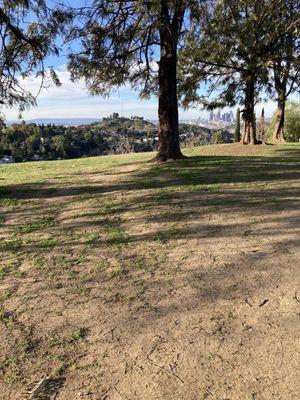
{"points": [[222, 136]]}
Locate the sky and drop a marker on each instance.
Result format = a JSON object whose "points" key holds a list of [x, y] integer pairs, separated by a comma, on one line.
{"points": [[71, 100]]}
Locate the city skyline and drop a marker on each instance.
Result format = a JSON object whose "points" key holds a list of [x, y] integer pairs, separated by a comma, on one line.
{"points": [[224, 117]]}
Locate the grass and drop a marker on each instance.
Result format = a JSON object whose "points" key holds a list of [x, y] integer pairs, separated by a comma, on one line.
{"points": [[105, 233], [101, 211], [78, 335], [8, 268], [46, 221]]}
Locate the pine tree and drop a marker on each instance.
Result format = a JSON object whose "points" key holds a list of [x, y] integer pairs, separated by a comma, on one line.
{"points": [[24, 47], [136, 43], [232, 49], [285, 61], [237, 132]]}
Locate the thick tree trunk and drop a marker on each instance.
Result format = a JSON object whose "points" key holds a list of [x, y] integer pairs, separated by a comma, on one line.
{"points": [[168, 111], [169, 147], [249, 127], [278, 135]]}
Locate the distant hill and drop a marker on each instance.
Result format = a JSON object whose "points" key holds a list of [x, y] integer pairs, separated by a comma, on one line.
{"points": [[48, 139], [135, 124]]}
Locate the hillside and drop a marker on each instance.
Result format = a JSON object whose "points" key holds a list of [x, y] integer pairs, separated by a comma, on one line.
{"points": [[112, 135], [124, 279]]}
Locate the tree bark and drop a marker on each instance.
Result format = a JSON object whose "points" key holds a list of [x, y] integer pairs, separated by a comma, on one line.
{"points": [[169, 147], [249, 128], [278, 135]]}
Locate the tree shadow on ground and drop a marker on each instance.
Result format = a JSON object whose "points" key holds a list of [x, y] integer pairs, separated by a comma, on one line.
{"points": [[191, 190], [204, 170], [212, 291]]}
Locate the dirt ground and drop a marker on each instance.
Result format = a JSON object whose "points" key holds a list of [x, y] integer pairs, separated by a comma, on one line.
{"points": [[153, 283]]}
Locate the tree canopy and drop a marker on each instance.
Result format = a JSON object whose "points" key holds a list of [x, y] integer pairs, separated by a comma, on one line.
{"points": [[232, 49], [135, 43], [24, 46]]}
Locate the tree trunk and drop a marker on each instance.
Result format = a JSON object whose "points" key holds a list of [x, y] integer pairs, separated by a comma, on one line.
{"points": [[279, 122], [249, 128], [281, 79], [169, 147]]}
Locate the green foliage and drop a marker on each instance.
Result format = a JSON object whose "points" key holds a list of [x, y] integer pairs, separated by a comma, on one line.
{"points": [[78, 335], [292, 123], [237, 131], [112, 135], [232, 50], [221, 136], [228, 64], [28, 30], [46, 221], [8, 268], [122, 40], [261, 127]]}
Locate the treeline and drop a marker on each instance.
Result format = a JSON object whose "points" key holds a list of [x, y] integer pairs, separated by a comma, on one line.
{"points": [[113, 135]]}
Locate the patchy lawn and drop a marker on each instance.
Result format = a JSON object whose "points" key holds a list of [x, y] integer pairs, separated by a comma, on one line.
{"points": [[124, 279]]}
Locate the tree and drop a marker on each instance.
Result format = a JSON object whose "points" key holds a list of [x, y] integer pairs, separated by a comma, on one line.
{"points": [[261, 129], [237, 132], [292, 125], [285, 60], [121, 42], [292, 122], [229, 49], [24, 47], [221, 136]]}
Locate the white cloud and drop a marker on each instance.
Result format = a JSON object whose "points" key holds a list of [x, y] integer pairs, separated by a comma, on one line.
{"points": [[71, 100]]}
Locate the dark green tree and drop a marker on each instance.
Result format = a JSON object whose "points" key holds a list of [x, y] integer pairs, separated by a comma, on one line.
{"points": [[237, 131], [292, 122], [136, 43], [231, 50], [285, 60], [24, 47]]}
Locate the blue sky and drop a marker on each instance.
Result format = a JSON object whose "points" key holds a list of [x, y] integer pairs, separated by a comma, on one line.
{"points": [[71, 100]]}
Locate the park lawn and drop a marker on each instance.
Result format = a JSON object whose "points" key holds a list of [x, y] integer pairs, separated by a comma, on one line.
{"points": [[125, 279]]}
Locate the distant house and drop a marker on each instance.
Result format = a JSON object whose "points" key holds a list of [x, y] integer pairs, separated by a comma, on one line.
{"points": [[7, 160]]}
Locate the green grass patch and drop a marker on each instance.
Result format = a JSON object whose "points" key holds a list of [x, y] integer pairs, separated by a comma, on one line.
{"points": [[78, 335], [11, 245], [48, 243], [8, 268], [46, 221]]}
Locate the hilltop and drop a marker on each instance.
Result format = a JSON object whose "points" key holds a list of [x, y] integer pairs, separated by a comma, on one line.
{"points": [[120, 278]]}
